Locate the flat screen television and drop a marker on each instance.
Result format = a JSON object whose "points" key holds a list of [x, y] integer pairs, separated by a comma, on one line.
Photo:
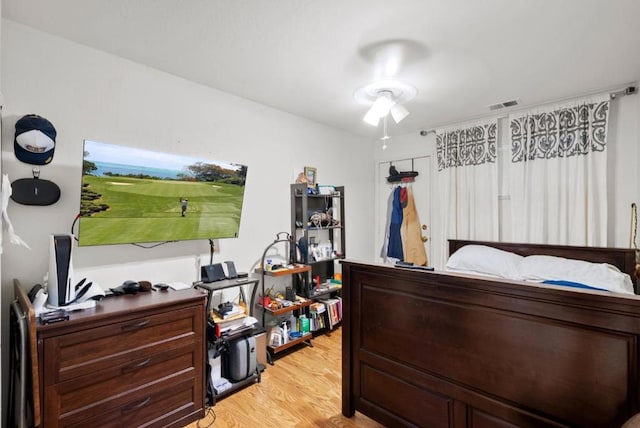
{"points": [[133, 195]]}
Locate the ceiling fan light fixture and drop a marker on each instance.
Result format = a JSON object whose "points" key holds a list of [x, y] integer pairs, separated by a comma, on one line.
{"points": [[372, 117], [385, 97], [379, 109], [383, 104], [398, 112]]}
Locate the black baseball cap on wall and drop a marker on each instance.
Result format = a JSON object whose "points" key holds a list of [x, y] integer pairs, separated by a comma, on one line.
{"points": [[35, 140]]}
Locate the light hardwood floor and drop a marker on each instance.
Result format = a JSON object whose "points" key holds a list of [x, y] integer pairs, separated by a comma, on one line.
{"points": [[302, 389]]}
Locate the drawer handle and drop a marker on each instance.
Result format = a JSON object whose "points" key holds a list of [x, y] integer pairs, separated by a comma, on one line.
{"points": [[136, 366], [132, 407], [135, 326]]}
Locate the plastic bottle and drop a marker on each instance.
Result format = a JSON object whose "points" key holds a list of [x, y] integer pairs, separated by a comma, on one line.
{"points": [[293, 323], [285, 333], [304, 324]]}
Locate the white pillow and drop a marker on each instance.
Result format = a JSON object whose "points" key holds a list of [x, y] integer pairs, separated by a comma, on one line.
{"points": [[486, 260], [600, 275]]}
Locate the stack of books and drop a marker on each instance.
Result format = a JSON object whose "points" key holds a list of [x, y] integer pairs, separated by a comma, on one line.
{"points": [[231, 320], [230, 313], [317, 312]]}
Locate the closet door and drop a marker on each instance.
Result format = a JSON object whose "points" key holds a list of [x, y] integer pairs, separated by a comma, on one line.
{"points": [[421, 194]]}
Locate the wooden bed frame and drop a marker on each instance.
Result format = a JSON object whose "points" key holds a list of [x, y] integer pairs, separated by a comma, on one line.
{"points": [[436, 349]]}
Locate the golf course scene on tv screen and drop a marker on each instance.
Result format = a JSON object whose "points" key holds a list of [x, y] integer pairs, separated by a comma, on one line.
{"points": [[132, 195]]}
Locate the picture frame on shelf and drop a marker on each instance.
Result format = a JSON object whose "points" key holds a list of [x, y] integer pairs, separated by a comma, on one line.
{"points": [[311, 174]]}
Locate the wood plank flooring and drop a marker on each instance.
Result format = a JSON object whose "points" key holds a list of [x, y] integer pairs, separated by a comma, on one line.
{"points": [[302, 389]]}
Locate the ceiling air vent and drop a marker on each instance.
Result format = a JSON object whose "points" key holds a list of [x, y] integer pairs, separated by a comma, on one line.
{"points": [[505, 104]]}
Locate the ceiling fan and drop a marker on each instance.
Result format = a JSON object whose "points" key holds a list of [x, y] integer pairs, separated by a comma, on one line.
{"points": [[385, 97]]}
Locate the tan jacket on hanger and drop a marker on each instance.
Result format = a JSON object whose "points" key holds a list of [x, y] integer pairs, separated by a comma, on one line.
{"points": [[412, 245]]}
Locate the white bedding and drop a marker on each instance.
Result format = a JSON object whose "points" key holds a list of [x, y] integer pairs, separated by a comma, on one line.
{"points": [[489, 261]]}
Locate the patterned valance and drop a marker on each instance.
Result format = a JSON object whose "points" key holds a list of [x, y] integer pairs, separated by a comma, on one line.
{"points": [[560, 132], [474, 145]]}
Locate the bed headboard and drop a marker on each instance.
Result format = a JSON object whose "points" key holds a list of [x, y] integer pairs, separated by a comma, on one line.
{"points": [[623, 258]]}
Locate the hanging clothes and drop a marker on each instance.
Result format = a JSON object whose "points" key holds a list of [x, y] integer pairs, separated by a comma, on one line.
{"points": [[395, 247], [411, 235], [403, 237]]}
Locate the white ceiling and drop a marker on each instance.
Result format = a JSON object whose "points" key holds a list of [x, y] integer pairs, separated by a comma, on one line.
{"points": [[307, 57]]}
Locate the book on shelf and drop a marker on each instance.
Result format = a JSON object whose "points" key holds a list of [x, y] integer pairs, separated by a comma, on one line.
{"points": [[334, 310], [230, 326], [317, 307]]}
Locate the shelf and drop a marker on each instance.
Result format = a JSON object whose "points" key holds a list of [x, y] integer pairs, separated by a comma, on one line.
{"points": [[225, 283], [254, 378], [285, 271], [290, 343], [324, 292], [310, 195], [313, 262], [294, 307], [318, 228], [236, 334], [215, 317]]}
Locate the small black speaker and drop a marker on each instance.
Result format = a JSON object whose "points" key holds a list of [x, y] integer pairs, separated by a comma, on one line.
{"points": [[212, 273], [290, 295], [231, 270]]}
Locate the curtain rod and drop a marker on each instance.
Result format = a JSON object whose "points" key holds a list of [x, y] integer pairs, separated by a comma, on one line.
{"points": [[629, 90]]}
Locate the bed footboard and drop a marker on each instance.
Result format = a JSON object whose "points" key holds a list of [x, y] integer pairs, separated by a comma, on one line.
{"points": [[440, 350]]}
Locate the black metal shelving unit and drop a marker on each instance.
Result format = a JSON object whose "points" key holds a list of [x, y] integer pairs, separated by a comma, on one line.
{"points": [[221, 343], [313, 235], [315, 231]]}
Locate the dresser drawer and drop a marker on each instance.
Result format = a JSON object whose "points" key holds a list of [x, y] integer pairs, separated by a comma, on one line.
{"points": [[120, 344], [171, 400], [92, 391]]}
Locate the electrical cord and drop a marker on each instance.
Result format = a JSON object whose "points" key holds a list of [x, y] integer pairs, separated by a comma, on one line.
{"points": [[633, 236], [73, 225], [151, 246], [212, 249], [210, 411]]}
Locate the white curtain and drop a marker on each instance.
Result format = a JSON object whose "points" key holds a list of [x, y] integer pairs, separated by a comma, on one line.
{"points": [[466, 185], [558, 173]]}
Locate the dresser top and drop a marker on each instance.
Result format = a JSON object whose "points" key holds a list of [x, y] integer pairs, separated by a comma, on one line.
{"points": [[128, 304]]}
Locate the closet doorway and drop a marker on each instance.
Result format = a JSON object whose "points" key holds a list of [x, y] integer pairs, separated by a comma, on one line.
{"points": [[421, 194]]}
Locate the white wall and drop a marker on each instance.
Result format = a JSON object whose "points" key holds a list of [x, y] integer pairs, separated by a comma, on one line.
{"points": [[623, 167], [89, 94]]}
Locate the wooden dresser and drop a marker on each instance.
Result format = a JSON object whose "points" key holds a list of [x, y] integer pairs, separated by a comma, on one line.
{"points": [[134, 360]]}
